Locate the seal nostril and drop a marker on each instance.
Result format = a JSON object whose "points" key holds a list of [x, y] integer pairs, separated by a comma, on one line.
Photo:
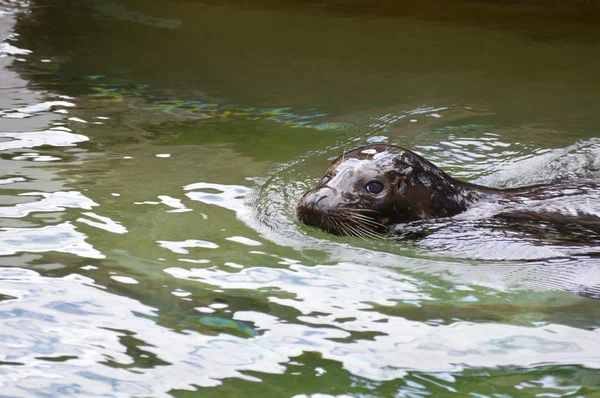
{"points": [[313, 202], [314, 199], [320, 198]]}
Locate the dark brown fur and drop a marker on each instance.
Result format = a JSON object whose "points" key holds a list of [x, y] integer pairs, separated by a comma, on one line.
{"points": [[414, 189]]}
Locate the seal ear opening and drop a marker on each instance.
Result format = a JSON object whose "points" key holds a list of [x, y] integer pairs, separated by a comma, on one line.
{"points": [[401, 186]]}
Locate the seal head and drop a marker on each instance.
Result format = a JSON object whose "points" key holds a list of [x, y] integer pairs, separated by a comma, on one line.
{"points": [[370, 189]]}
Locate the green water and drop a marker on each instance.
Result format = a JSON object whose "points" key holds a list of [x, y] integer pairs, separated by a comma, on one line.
{"points": [[152, 153]]}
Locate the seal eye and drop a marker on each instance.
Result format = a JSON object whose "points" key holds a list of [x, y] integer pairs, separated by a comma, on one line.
{"points": [[374, 187], [326, 179]]}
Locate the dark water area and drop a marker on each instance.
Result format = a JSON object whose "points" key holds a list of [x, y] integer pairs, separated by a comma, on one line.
{"points": [[152, 153]]}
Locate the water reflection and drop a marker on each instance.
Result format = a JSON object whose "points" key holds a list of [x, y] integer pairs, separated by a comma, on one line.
{"points": [[349, 291], [155, 201], [62, 238], [51, 202]]}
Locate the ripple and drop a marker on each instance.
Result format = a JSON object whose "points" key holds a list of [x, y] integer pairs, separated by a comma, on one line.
{"points": [[580, 160], [326, 289], [175, 204], [230, 197], [6, 48], [54, 201], [124, 279], [337, 301], [53, 137], [63, 238], [31, 110], [244, 241], [104, 223], [70, 317], [180, 247], [443, 245]]}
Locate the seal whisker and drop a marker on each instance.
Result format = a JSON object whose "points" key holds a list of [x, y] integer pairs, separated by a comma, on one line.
{"points": [[366, 221], [368, 232], [338, 226], [358, 209], [368, 227], [349, 230], [363, 227], [354, 231], [345, 231], [359, 216], [324, 220], [343, 228]]}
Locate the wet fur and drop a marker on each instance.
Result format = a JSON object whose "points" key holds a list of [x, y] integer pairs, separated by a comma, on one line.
{"points": [[415, 190]]}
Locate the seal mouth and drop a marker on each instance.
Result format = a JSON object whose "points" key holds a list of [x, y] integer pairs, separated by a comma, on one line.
{"points": [[344, 221]]}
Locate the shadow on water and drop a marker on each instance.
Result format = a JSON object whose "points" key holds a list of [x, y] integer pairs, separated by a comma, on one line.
{"points": [[151, 166]]}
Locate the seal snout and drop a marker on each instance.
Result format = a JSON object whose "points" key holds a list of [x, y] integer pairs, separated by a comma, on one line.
{"points": [[314, 205], [314, 198]]}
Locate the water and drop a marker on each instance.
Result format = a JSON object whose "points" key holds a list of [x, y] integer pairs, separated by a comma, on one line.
{"points": [[152, 154]]}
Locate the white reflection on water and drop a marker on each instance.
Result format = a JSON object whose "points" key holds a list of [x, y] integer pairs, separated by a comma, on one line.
{"points": [[30, 110], [6, 48], [326, 289], [174, 203], [124, 279], [104, 223], [337, 300], [70, 318], [244, 241], [54, 201], [228, 196], [181, 247], [63, 238], [11, 180], [36, 157], [57, 136]]}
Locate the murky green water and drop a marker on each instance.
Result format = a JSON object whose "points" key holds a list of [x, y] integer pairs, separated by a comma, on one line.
{"points": [[152, 153]]}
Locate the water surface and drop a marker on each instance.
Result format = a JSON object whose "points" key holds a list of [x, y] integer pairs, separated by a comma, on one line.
{"points": [[152, 153]]}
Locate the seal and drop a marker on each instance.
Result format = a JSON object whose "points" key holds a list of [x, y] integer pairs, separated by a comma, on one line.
{"points": [[371, 188], [368, 191]]}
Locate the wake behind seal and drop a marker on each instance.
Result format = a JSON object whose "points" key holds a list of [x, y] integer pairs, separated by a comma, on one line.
{"points": [[370, 190]]}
